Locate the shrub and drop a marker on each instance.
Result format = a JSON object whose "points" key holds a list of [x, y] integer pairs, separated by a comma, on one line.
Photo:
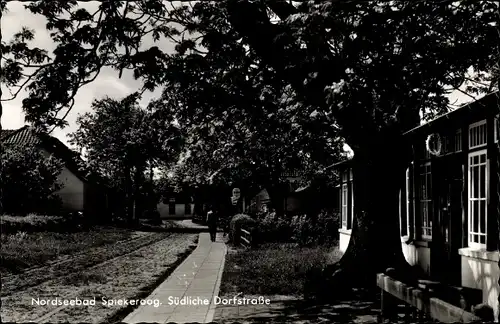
{"points": [[235, 226], [27, 173], [320, 230], [302, 229], [274, 229], [38, 223]]}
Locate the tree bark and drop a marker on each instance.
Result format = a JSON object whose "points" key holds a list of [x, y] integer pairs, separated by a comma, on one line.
{"points": [[375, 243]]}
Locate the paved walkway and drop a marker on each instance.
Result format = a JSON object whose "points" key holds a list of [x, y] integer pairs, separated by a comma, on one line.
{"points": [[188, 223], [196, 280]]}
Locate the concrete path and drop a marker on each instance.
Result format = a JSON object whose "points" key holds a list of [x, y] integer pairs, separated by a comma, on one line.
{"points": [[188, 223], [195, 282]]}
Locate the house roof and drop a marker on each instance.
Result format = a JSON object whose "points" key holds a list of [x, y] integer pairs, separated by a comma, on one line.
{"points": [[483, 105], [7, 132], [27, 135]]}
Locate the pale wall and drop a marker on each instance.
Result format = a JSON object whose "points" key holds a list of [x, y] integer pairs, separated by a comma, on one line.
{"points": [[480, 271], [163, 209], [344, 237], [420, 256], [72, 191]]}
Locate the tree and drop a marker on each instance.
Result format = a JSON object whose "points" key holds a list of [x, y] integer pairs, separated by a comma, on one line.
{"points": [[370, 67], [374, 66], [29, 181], [244, 123], [121, 140]]}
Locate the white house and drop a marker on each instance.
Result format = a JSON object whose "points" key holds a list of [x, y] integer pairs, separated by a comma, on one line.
{"points": [[77, 192]]}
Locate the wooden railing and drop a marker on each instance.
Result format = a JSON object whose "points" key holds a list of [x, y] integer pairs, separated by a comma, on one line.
{"points": [[246, 237]]}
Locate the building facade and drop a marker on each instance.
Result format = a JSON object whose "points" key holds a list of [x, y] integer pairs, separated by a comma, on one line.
{"points": [[448, 205], [77, 192]]}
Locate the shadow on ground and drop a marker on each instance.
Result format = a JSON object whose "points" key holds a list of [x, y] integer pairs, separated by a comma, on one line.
{"points": [[362, 308]]}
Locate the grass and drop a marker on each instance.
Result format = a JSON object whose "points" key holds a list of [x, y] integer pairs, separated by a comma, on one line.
{"points": [[25, 250], [273, 269], [132, 276]]}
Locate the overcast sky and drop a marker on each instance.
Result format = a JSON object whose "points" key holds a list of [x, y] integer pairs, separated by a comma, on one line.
{"points": [[106, 84]]}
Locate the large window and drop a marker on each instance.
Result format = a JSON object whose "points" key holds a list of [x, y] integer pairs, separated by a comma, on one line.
{"points": [[477, 134], [352, 197], [458, 141], [496, 134], [426, 201], [345, 205], [347, 199], [478, 193], [405, 210]]}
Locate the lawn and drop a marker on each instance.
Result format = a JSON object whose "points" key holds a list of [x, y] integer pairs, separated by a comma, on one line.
{"points": [[272, 269], [131, 276], [23, 250]]}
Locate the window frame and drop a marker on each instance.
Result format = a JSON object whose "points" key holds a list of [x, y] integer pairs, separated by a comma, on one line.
{"points": [[405, 231], [424, 170], [344, 203], [477, 125], [470, 192], [171, 205]]}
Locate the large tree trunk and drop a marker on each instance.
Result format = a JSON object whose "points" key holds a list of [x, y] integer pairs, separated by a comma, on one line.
{"points": [[375, 243]]}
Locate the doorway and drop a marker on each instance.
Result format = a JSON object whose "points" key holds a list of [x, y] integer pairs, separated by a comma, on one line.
{"points": [[445, 260]]}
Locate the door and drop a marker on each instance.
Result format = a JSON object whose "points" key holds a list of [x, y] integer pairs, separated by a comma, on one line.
{"points": [[447, 231]]}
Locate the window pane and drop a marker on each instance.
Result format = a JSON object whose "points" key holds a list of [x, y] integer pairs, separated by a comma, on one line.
{"points": [[475, 159], [482, 239], [482, 158], [482, 216], [482, 181], [475, 182], [475, 216]]}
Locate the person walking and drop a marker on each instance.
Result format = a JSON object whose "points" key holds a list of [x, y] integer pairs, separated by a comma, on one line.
{"points": [[212, 224]]}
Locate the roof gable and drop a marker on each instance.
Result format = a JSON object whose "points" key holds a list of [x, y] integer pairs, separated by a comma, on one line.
{"points": [[29, 136]]}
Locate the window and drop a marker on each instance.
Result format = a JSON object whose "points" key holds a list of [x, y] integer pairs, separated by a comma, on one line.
{"points": [[344, 205], [352, 203], [458, 141], [426, 201], [171, 206], [478, 193], [477, 134], [405, 222], [497, 135]]}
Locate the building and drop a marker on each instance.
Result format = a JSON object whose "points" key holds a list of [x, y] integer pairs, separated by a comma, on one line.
{"points": [[176, 205], [449, 205], [78, 193]]}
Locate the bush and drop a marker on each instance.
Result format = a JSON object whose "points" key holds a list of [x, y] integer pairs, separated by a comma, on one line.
{"points": [[38, 223], [302, 229], [235, 226], [27, 173], [274, 229]]}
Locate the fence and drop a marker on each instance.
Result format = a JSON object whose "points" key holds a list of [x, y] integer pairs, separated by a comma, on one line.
{"points": [[246, 237]]}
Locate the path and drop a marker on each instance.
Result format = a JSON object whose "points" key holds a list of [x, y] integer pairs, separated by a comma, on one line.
{"points": [[197, 278], [188, 223]]}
